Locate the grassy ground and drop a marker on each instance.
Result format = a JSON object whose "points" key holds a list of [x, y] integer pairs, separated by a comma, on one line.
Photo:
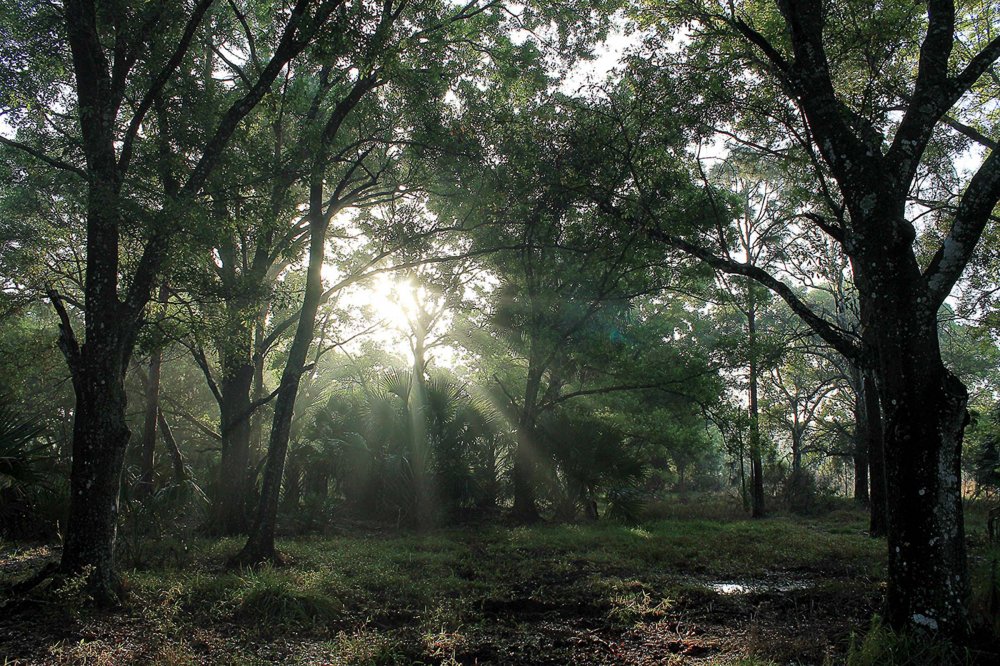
{"points": [[677, 590]]}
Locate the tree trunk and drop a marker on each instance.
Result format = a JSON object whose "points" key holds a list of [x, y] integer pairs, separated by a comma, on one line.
{"points": [[744, 492], [144, 487], [100, 437], [924, 410], [420, 453], [180, 472], [258, 391], [861, 472], [293, 485], [796, 449], [260, 544], [757, 467], [862, 434], [928, 583], [232, 481], [152, 407], [525, 510], [878, 525]]}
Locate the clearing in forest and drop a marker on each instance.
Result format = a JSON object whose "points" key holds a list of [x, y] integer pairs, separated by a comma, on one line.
{"points": [[674, 591]]}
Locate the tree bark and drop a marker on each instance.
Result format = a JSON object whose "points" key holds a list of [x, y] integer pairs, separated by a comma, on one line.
{"points": [[100, 437], [924, 410]]}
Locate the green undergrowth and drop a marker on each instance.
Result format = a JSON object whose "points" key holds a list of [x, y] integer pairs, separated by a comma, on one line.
{"points": [[881, 646]]}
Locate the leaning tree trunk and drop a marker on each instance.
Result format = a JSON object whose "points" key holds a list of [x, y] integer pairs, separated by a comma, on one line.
{"points": [[180, 471], [260, 544]]}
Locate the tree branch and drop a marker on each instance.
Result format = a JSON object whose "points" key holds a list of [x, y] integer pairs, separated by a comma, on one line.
{"points": [[161, 79], [970, 220], [836, 337], [67, 339], [38, 154]]}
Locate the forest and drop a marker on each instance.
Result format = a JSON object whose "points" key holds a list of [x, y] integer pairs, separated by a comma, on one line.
{"points": [[493, 332]]}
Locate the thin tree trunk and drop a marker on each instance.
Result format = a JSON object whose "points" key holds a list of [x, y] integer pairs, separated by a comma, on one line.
{"points": [[418, 421], [860, 460], [180, 471], [878, 526], [152, 408], [744, 493], [757, 467], [144, 487], [861, 440], [260, 544]]}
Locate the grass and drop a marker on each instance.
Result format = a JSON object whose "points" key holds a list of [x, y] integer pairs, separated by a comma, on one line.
{"points": [[594, 593]]}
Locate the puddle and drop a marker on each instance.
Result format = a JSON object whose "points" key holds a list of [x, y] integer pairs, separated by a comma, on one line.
{"points": [[755, 587]]}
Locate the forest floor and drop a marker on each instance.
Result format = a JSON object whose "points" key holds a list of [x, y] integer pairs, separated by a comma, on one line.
{"points": [[674, 591]]}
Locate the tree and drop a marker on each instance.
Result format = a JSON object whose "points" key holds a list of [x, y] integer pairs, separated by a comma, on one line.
{"points": [[567, 273], [413, 51], [112, 61], [872, 159], [759, 236]]}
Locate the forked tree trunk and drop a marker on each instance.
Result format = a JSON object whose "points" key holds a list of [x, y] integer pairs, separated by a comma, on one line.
{"points": [[100, 433]]}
